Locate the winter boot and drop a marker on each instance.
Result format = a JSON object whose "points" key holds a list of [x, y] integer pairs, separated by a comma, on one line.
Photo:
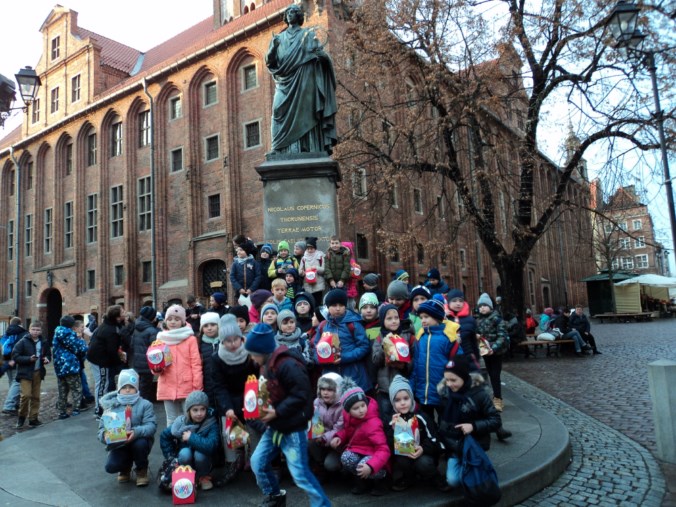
{"points": [[499, 404], [20, 422], [275, 500], [361, 486], [124, 476], [503, 434], [142, 477], [205, 483]]}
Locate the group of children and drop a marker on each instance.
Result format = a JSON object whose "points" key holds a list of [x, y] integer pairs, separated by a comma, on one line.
{"points": [[361, 404]]}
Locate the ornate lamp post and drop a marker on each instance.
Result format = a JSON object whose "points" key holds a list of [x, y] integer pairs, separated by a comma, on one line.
{"points": [[29, 84], [622, 24]]}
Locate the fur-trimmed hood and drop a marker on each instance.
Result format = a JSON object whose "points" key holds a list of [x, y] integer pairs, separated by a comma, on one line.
{"points": [[477, 380]]}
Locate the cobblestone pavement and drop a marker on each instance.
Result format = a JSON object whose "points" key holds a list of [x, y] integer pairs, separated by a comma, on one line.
{"points": [[613, 389]]}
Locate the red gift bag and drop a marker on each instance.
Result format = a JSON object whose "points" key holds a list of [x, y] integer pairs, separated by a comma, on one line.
{"points": [[396, 349], [311, 276], [251, 410], [183, 485], [158, 356], [327, 348], [236, 436]]}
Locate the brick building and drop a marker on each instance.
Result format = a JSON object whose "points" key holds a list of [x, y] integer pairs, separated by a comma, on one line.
{"points": [[116, 134]]}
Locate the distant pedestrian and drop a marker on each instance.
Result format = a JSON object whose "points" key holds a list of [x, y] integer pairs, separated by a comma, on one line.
{"points": [[12, 335], [68, 350]]}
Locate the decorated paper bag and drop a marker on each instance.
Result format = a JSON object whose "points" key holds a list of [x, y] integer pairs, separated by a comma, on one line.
{"points": [[236, 436], [311, 276], [183, 485], [484, 346], [158, 356], [317, 426], [251, 410], [406, 436], [115, 429], [396, 349], [328, 348]]}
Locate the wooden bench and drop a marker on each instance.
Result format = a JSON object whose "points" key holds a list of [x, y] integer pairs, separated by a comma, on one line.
{"points": [[553, 346], [624, 317]]}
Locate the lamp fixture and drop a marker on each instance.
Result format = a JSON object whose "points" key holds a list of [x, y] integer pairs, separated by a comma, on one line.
{"points": [[29, 84]]}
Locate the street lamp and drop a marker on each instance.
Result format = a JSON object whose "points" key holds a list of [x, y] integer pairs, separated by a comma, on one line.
{"points": [[29, 83], [622, 23]]}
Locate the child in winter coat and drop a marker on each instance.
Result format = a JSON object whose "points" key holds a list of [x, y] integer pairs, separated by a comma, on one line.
{"points": [[127, 403], [311, 269], [355, 273], [245, 273], [423, 460], [290, 408], [326, 422], [366, 453], [389, 325], [398, 294], [337, 271], [265, 259], [282, 262], [288, 334], [193, 438], [184, 375], [258, 300], [269, 314], [208, 344], [368, 308], [304, 307], [435, 344], [68, 350], [293, 285], [354, 346], [231, 366], [467, 409], [419, 294], [279, 289]]}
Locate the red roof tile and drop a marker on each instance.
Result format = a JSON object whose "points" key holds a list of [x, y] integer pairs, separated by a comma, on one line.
{"points": [[11, 138], [113, 54]]}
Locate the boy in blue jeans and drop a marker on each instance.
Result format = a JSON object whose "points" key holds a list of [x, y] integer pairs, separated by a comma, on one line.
{"points": [[287, 418]]}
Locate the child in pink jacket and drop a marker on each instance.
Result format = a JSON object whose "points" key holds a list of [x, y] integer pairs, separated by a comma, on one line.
{"points": [[366, 454], [184, 374]]}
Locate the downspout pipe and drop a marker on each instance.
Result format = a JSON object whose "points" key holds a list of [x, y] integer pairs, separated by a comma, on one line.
{"points": [[17, 235], [153, 243]]}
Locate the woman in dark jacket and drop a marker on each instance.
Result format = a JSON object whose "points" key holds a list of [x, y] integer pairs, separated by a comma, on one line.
{"points": [[145, 332], [579, 321], [245, 273]]}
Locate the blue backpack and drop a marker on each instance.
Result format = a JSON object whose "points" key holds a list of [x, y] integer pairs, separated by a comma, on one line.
{"points": [[8, 342], [479, 478]]}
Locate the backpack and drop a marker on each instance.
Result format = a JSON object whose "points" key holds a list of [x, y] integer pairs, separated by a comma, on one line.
{"points": [[8, 342], [479, 478]]}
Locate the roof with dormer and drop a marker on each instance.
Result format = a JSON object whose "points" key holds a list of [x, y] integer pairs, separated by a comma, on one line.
{"points": [[113, 54]]}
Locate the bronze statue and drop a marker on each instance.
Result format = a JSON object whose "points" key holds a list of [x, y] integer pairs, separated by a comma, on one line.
{"points": [[304, 106]]}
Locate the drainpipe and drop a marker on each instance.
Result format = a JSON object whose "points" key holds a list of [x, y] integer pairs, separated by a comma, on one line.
{"points": [[17, 234], [153, 266]]}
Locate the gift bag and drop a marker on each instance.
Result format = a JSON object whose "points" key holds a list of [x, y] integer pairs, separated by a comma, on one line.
{"points": [[396, 349], [328, 347], [183, 485], [256, 397], [114, 425], [316, 426], [484, 346], [236, 436], [406, 436], [158, 356], [311, 276], [355, 269]]}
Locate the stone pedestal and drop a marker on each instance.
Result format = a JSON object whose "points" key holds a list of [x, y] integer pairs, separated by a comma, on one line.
{"points": [[662, 381], [299, 198]]}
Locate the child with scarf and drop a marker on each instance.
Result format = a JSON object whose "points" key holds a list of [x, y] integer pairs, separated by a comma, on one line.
{"points": [[304, 307], [326, 422], [245, 273], [466, 409], [141, 427], [419, 294], [290, 335], [193, 438], [231, 366], [208, 344], [389, 325], [311, 269], [293, 285], [184, 375]]}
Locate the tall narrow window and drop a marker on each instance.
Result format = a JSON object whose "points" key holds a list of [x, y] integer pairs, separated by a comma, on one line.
{"points": [[463, 259], [394, 195], [359, 187], [68, 224], [250, 79], [28, 240], [56, 47], [252, 134], [91, 149], [118, 275], [12, 181], [146, 271], [417, 201], [420, 253], [10, 291], [144, 129], [92, 217], [29, 289], [116, 212], [68, 156], [35, 108], [441, 207], [215, 206], [211, 148], [362, 246], [144, 211], [75, 88], [91, 279], [210, 93], [10, 240], [176, 160], [49, 228], [29, 175], [175, 109], [116, 139], [54, 105]]}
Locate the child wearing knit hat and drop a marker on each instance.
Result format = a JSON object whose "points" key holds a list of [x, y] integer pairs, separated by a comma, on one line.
{"points": [[184, 375], [368, 307], [259, 298], [366, 454], [426, 448], [326, 422], [290, 335], [208, 344], [126, 404], [282, 261], [265, 260], [287, 416], [398, 295], [419, 294], [269, 314], [193, 438], [311, 269], [303, 307], [241, 314]]}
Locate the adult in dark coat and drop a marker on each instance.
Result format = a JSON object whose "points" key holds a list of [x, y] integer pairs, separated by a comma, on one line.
{"points": [[193, 312], [145, 332], [579, 321]]}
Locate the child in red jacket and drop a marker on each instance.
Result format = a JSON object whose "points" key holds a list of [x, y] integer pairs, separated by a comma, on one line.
{"points": [[366, 454]]}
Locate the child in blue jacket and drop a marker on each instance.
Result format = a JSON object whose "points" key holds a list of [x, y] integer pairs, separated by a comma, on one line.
{"points": [[68, 351], [193, 438]]}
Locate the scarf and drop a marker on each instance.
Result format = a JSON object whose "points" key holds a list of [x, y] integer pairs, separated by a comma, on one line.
{"points": [[181, 424], [128, 399], [244, 260], [290, 340], [210, 341], [233, 358], [312, 258], [175, 336]]}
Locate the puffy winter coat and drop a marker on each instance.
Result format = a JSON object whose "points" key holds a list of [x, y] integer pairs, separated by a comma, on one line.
{"points": [[144, 334], [245, 275], [494, 329], [67, 350], [434, 346], [281, 263], [331, 417], [104, 345], [477, 409], [24, 349], [205, 439], [580, 322], [366, 436], [229, 380], [184, 375], [143, 420], [338, 265], [354, 348], [318, 262]]}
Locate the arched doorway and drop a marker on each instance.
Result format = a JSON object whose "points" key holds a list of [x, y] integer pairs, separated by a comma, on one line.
{"points": [[54, 303], [214, 277]]}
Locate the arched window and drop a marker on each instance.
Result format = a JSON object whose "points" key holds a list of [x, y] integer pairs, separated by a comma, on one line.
{"points": [[214, 277]]}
